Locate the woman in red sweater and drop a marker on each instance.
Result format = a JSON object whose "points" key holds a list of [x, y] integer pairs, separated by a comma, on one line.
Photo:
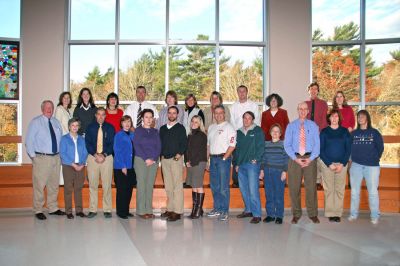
{"points": [[274, 115], [113, 113], [340, 103]]}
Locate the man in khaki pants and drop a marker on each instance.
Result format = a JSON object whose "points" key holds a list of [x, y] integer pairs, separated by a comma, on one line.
{"points": [[173, 146], [42, 145], [99, 140]]}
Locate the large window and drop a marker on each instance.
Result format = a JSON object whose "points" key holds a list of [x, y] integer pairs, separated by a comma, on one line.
{"points": [[189, 46], [10, 148], [356, 49]]}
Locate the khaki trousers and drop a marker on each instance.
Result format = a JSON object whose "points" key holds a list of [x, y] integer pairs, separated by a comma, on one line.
{"points": [[45, 173], [334, 187], [172, 171], [95, 170], [145, 176], [296, 173], [73, 181]]}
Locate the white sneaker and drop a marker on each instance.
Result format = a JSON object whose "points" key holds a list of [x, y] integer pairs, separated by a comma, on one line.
{"points": [[352, 218], [374, 221], [223, 217], [213, 213]]}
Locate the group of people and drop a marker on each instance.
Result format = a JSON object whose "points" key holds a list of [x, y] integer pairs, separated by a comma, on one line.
{"points": [[318, 147]]}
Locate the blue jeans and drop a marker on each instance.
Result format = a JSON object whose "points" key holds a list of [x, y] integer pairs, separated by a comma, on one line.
{"points": [[274, 189], [371, 175], [249, 187], [219, 183]]}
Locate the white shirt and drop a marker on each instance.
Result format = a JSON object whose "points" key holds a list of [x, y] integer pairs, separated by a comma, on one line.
{"points": [[238, 109], [75, 139], [132, 110], [220, 137]]}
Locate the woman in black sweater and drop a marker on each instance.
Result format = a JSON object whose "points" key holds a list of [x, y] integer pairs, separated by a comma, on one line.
{"points": [[85, 109]]}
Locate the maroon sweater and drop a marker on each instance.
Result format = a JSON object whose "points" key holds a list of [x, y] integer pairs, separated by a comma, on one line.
{"points": [[267, 120]]}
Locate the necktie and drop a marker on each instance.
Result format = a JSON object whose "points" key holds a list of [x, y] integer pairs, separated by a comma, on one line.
{"points": [[139, 116], [302, 138], [100, 140], [53, 139], [312, 110]]}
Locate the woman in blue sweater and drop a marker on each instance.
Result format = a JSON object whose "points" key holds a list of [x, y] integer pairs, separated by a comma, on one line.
{"points": [[73, 155], [124, 174], [366, 152], [335, 149]]}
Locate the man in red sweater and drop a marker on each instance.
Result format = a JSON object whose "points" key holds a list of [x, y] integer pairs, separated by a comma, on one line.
{"points": [[318, 111]]}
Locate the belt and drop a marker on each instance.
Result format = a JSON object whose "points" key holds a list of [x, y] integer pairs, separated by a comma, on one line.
{"points": [[46, 154], [218, 155]]}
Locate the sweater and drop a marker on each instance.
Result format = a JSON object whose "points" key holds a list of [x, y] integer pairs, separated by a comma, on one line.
{"points": [[249, 146], [348, 117], [173, 140], [275, 156], [197, 148], [367, 147], [267, 120], [335, 145], [85, 116], [115, 119], [147, 143]]}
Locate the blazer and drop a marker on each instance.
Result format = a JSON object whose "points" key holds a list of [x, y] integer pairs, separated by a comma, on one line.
{"points": [[123, 150], [67, 150]]}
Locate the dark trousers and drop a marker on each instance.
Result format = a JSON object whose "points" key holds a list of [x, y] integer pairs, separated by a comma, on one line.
{"points": [[124, 184], [73, 181]]}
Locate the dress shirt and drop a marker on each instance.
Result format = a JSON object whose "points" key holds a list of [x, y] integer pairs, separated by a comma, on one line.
{"points": [[238, 109], [91, 138], [38, 138], [132, 110], [292, 138]]}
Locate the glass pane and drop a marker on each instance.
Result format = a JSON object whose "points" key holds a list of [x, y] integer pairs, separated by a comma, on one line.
{"points": [[10, 18], [135, 13], [8, 120], [386, 119], [141, 65], [92, 19], [383, 73], [9, 153], [335, 20], [391, 154], [382, 19], [337, 68], [192, 20], [241, 66], [241, 20], [9, 70], [92, 66], [192, 70]]}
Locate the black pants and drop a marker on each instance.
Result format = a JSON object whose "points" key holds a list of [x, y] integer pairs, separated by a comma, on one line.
{"points": [[124, 184]]}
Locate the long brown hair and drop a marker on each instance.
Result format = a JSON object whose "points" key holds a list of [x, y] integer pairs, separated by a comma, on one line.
{"points": [[334, 102]]}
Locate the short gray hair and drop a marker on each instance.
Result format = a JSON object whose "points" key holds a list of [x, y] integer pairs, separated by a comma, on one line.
{"points": [[46, 101], [73, 120]]}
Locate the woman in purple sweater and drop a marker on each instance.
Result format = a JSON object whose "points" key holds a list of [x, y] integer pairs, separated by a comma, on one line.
{"points": [[147, 147]]}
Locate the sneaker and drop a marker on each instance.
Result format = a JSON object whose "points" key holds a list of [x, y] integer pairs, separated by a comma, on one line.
{"points": [[352, 218], [374, 221], [213, 213], [223, 216]]}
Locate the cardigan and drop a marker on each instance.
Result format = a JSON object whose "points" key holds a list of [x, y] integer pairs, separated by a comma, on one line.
{"points": [[67, 150], [63, 115], [123, 150], [267, 120]]}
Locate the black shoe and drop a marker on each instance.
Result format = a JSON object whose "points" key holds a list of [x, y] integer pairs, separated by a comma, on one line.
{"points": [[130, 215], [107, 215], [40, 216], [332, 219], [120, 216], [268, 219], [70, 216], [91, 214], [235, 185], [186, 185], [57, 212], [166, 214], [173, 217], [244, 215], [278, 220], [255, 220], [337, 219], [80, 214]]}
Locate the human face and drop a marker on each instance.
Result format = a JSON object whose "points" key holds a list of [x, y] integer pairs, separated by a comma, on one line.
{"points": [[170, 100], [190, 102], [362, 120], [219, 115], [100, 116], [334, 118], [112, 102], [313, 91], [302, 110], [339, 99], [126, 125], [140, 95], [195, 123], [85, 96], [275, 133], [172, 115], [247, 120], [74, 127], [273, 103], [215, 100], [66, 100], [147, 120], [47, 110], [242, 94]]}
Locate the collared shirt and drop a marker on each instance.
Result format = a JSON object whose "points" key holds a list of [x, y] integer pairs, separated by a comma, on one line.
{"points": [[132, 110], [292, 138], [221, 137], [238, 109], [38, 137]]}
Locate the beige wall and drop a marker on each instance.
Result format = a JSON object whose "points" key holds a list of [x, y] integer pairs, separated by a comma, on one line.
{"points": [[42, 40]]}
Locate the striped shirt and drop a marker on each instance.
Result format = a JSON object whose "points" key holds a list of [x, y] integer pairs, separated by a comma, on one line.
{"points": [[275, 156]]}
